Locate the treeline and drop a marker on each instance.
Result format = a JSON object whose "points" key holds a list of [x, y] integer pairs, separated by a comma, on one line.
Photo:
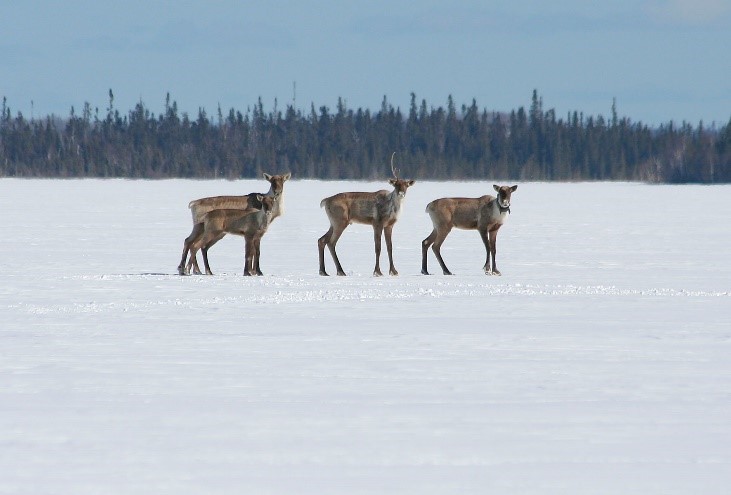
{"points": [[431, 143]]}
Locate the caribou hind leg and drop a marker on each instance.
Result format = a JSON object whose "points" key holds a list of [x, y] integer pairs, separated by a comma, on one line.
{"points": [[189, 249], [331, 246], [424, 250], [205, 249], [436, 247], [435, 240], [330, 239], [321, 243]]}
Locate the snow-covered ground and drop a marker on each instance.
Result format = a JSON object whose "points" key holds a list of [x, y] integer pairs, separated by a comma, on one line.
{"points": [[599, 363]]}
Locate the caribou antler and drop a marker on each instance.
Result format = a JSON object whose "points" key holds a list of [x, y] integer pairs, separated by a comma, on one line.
{"points": [[393, 170]]}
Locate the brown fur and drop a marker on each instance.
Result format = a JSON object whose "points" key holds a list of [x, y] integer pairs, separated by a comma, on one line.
{"points": [[379, 209], [199, 207], [251, 223], [485, 214]]}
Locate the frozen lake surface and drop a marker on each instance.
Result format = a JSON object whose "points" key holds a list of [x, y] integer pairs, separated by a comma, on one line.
{"points": [[598, 363]]}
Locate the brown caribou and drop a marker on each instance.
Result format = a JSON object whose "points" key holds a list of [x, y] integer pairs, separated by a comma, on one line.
{"points": [[251, 223], [485, 214], [379, 209], [199, 207]]}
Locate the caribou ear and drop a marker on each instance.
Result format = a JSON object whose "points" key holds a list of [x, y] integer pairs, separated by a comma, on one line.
{"points": [[392, 181], [287, 176], [496, 187], [411, 183], [267, 176], [514, 188]]}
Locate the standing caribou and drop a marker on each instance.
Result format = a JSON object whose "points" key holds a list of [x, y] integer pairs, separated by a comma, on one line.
{"points": [[485, 214], [379, 209], [252, 223], [199, 207]]}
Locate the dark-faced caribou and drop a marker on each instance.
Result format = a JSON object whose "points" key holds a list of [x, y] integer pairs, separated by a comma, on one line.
{"points": [[485, 214], [199, 207], [251, 223], [379, 209]]}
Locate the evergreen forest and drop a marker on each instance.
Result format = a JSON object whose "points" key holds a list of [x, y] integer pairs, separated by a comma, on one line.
{"points": [[431, 143]]}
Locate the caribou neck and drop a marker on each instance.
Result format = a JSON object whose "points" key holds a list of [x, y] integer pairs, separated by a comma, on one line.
{"points": [[279, 206], [395, 199]]}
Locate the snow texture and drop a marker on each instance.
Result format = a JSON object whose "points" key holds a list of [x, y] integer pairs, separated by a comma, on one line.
{"points": [[597, 364]]}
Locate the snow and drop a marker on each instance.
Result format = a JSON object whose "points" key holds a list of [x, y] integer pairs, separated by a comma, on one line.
{"points": [[598, 363]]}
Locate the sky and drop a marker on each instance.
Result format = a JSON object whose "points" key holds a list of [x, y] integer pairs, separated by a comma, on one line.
{"points": [[661, 60]]}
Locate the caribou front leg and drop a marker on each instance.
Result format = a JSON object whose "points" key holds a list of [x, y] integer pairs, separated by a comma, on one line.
{"points": [[249, 258], [257, 254], [388, 230], [486, 240], [377, 232], [493, 251]]}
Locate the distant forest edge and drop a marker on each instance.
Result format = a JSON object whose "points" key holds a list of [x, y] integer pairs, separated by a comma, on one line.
{"points": [[431, 143]]}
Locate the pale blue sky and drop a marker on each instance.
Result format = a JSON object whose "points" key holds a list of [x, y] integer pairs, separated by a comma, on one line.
{"points": [[661, 59]]}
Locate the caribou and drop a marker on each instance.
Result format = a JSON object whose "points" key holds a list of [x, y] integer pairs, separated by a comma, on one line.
{"points": [[199, 207], [251, 223], [485, 214], [379, 209]]}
